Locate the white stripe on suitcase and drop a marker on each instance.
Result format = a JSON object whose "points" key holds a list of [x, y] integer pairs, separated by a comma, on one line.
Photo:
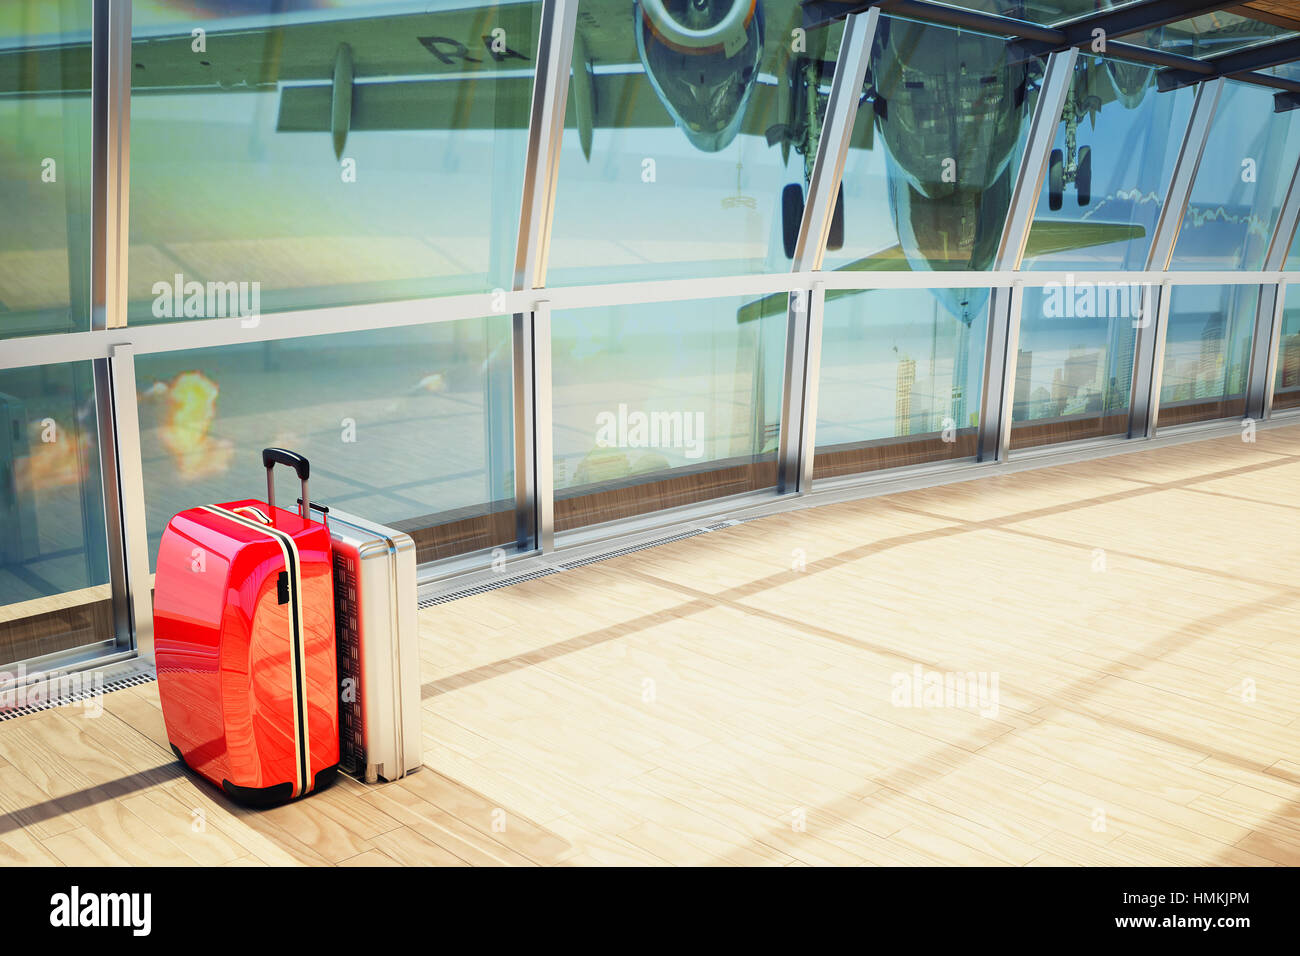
{"points": [[297, 643]]}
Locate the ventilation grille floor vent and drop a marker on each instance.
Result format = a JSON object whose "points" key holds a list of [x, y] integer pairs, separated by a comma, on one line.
{"points": [[73, 697]]}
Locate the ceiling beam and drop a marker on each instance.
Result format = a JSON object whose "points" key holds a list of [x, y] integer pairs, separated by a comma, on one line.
{"points": [[1042, 40], [1232, 64], [1138, 18]]}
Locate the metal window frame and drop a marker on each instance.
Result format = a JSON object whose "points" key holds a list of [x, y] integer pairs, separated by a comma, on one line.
{"points": [[110, 204], [1149, 349], [1272, 302], [531, 327], [796, 439], [1005, 305]]}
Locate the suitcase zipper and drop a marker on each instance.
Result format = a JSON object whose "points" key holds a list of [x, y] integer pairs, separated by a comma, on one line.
{"points": [[297, 656]]}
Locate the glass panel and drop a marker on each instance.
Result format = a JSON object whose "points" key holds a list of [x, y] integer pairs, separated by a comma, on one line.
{"points": [[1286, 388], [935, 150], [1293, 257], [1210, 34], [688, 155], [54, 590], [664, 404], [1247, 166], [901, 378], [1109, 169], [45, 134], [1207, 353], [409, 427], [1048, 12], [252, 186], [1074, 371]]}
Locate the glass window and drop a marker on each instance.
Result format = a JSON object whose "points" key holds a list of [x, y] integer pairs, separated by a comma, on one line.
{"points": [[1047, 12], [935, 150], [1109, 168], [1207, 353], [1293, 256], [901, 378], [45, 136], [664, 404], [1286, 387], [1210, 34], [1248, 163], [1074, 370], [410, 427], [688, 148], [54, 590], [351, 152]]}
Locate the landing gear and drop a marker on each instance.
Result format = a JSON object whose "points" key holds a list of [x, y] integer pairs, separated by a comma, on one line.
{"points": [[835, 237], [1055, 181], [792, 203], [1073, 165], [1083, 176], [791, 217]]}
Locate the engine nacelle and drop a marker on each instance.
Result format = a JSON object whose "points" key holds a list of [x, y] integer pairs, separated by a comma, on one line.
{"points": [[702, 59]]}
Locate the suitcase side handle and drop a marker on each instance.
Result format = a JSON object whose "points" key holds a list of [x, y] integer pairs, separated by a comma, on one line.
{"points": [[282, 456]]}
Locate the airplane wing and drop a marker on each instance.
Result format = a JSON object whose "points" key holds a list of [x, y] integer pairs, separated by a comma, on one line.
{"points": [[1046, 236], [256, 58]]}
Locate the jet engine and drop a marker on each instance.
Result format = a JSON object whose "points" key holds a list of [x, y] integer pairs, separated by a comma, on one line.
{"points": [[702, 58]]}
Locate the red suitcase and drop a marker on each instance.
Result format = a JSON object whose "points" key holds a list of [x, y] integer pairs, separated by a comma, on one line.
{"points": [[244, 643]]}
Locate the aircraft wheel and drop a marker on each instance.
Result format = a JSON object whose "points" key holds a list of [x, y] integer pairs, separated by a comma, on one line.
{"points": [[1055, 180], [791, 217], [835, 238], [1083, 177]]}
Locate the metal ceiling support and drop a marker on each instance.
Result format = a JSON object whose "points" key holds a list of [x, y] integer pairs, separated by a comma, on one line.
{"points": [[1230, 64], [130, 462], [1170, 221], [1055, 89], [803, 314], [1138, 17], [1148, 350], [531, 327], [545, 131], [1042, 40], [1003, 342], [1268, 315], [837, 132]]}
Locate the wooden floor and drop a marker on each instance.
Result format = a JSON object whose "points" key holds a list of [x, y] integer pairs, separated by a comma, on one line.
{"points": [[731, 698]]}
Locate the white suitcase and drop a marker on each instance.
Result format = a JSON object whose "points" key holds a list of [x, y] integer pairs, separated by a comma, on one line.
{"points": [[378, 648]]}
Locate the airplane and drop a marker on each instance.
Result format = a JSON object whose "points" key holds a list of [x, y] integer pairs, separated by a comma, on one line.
{"points": [[715, 69]]}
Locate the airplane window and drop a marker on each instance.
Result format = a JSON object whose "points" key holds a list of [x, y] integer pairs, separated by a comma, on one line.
{"points": [[687, 150], [1247, 165], [1109, 168]]}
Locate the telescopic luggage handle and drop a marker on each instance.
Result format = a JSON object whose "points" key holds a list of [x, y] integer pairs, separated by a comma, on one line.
{"points": [[282, 456]]}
